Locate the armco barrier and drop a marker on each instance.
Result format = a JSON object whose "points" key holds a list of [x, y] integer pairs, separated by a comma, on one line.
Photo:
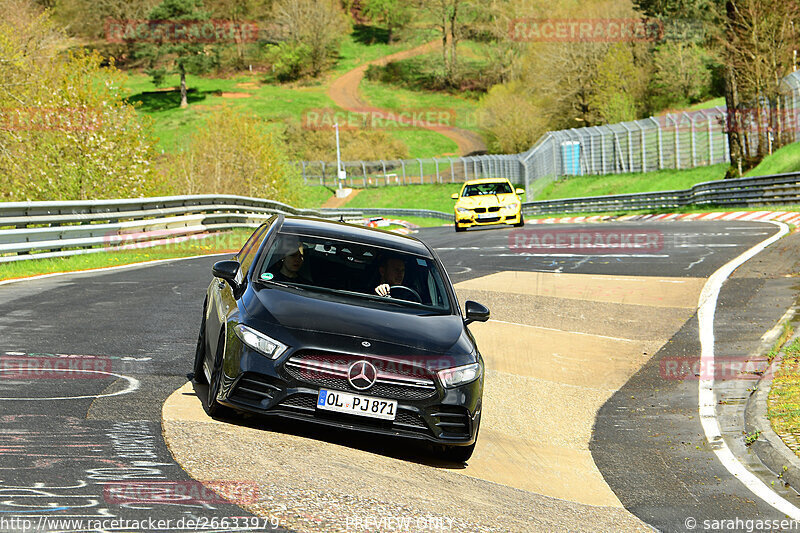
{"points": [[33, 230], [37, 230]]}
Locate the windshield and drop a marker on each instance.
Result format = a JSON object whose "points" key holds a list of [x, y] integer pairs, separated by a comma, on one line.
{"points": [[480, 189], [499, 187], [354, 270]]}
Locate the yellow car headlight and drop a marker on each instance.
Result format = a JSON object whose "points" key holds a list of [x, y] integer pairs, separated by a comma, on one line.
{"points": [[511, 206], [462, 210]]}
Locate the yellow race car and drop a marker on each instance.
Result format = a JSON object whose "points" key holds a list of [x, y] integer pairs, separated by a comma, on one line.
{"points": [[488, 201]]}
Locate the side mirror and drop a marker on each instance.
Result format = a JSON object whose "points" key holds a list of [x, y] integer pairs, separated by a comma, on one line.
{"points": [[227, 270], [520, 191], [476, 312], [454, 196]]}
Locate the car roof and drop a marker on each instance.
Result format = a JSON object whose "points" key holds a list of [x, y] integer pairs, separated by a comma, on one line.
{"points": [[486, 180], [341, 230]]}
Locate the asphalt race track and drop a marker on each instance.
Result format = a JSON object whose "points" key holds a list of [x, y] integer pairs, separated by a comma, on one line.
{"points": [[583, 429]]}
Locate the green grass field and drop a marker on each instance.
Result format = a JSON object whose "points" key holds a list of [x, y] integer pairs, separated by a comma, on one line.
{"points": [[662, 180], [786, 159]]}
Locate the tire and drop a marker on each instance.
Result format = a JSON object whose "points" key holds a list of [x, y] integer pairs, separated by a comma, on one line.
{"points": [[458, 454], [521, 221], [459, 229], [214, 407], [200, 353]]}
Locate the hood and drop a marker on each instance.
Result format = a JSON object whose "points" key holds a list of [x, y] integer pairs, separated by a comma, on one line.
{"points": [[487, 200], [330, 322]]}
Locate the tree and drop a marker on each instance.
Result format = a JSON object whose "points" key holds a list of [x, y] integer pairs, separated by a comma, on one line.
{"points": [[758, 44], [66, 131], [394, 14], [681, 74], [234, 153], [614, 90], [316, 24], [169, 53]]}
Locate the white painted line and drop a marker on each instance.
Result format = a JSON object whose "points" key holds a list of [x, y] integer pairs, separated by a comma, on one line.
{"points": [[706, 399], [108, 269], [564, 331], [133, 385]]}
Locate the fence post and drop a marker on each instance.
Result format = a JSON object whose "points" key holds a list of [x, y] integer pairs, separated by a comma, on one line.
{"points": [[452, 172], [303, 170], [644, 147], [438, 178], [694, 138], [364, 168], [464, 163], [421, 172], [602, 153], [385, 179], [322, 179], [710, 140], [403, 164], [677, 146], [630, 146]]}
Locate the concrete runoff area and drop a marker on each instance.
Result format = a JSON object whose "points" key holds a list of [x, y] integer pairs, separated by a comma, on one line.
{"points": [[558, 346]]}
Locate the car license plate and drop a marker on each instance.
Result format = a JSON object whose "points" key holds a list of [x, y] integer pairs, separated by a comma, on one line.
{"points": [[355, 404], [486, 215]]}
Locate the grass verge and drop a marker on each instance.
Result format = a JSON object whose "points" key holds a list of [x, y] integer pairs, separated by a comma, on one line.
{"points": [[786, 159], [660, 180], [429, 196], [783, 405], [218, 243]]}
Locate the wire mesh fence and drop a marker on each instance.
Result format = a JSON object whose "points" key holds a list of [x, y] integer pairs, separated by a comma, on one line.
{"points": [[681, 140], [413, 171]]}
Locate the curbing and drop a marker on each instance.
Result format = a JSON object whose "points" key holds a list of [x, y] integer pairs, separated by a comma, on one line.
{"points": [[769, 448]]}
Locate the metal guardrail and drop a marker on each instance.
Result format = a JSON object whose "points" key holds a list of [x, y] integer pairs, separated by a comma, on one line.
{"points": [[37, 230], [779, 189]]}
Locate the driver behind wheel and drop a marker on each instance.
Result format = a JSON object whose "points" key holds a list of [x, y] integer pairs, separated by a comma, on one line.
{"points": [[392, 271]]}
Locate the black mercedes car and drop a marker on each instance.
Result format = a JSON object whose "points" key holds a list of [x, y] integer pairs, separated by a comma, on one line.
{"points": [[343, 326]]}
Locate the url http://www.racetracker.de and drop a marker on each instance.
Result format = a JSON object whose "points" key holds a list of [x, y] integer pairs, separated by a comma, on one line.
{"points": [[44, 524]]}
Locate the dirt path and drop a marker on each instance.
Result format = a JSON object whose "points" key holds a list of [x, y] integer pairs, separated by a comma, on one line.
{"points": [[344, 92], [334, 201]]}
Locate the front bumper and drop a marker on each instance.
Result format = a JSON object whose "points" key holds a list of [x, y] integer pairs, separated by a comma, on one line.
{"points": [[467, 220], [448, 416]]}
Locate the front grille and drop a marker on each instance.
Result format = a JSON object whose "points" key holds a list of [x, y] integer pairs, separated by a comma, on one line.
{"points": [[409, 420], [303, 402], [402, 382], [485, 210], [253, 389], [487, 219], [451, 420]]}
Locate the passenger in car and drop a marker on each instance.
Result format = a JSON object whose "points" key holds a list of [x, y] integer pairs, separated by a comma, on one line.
{"points": [[290, 264]]}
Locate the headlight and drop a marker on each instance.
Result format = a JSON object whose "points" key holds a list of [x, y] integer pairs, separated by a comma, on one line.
{"points": [[453, 377], [511, 206], [260, 342], [462, 210]]}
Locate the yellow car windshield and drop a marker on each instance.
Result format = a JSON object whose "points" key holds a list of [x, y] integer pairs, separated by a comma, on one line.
{"points": [[481, 189]]}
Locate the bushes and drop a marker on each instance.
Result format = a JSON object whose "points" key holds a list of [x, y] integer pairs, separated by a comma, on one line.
{"points": [[65, 129], [233, 153]]}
